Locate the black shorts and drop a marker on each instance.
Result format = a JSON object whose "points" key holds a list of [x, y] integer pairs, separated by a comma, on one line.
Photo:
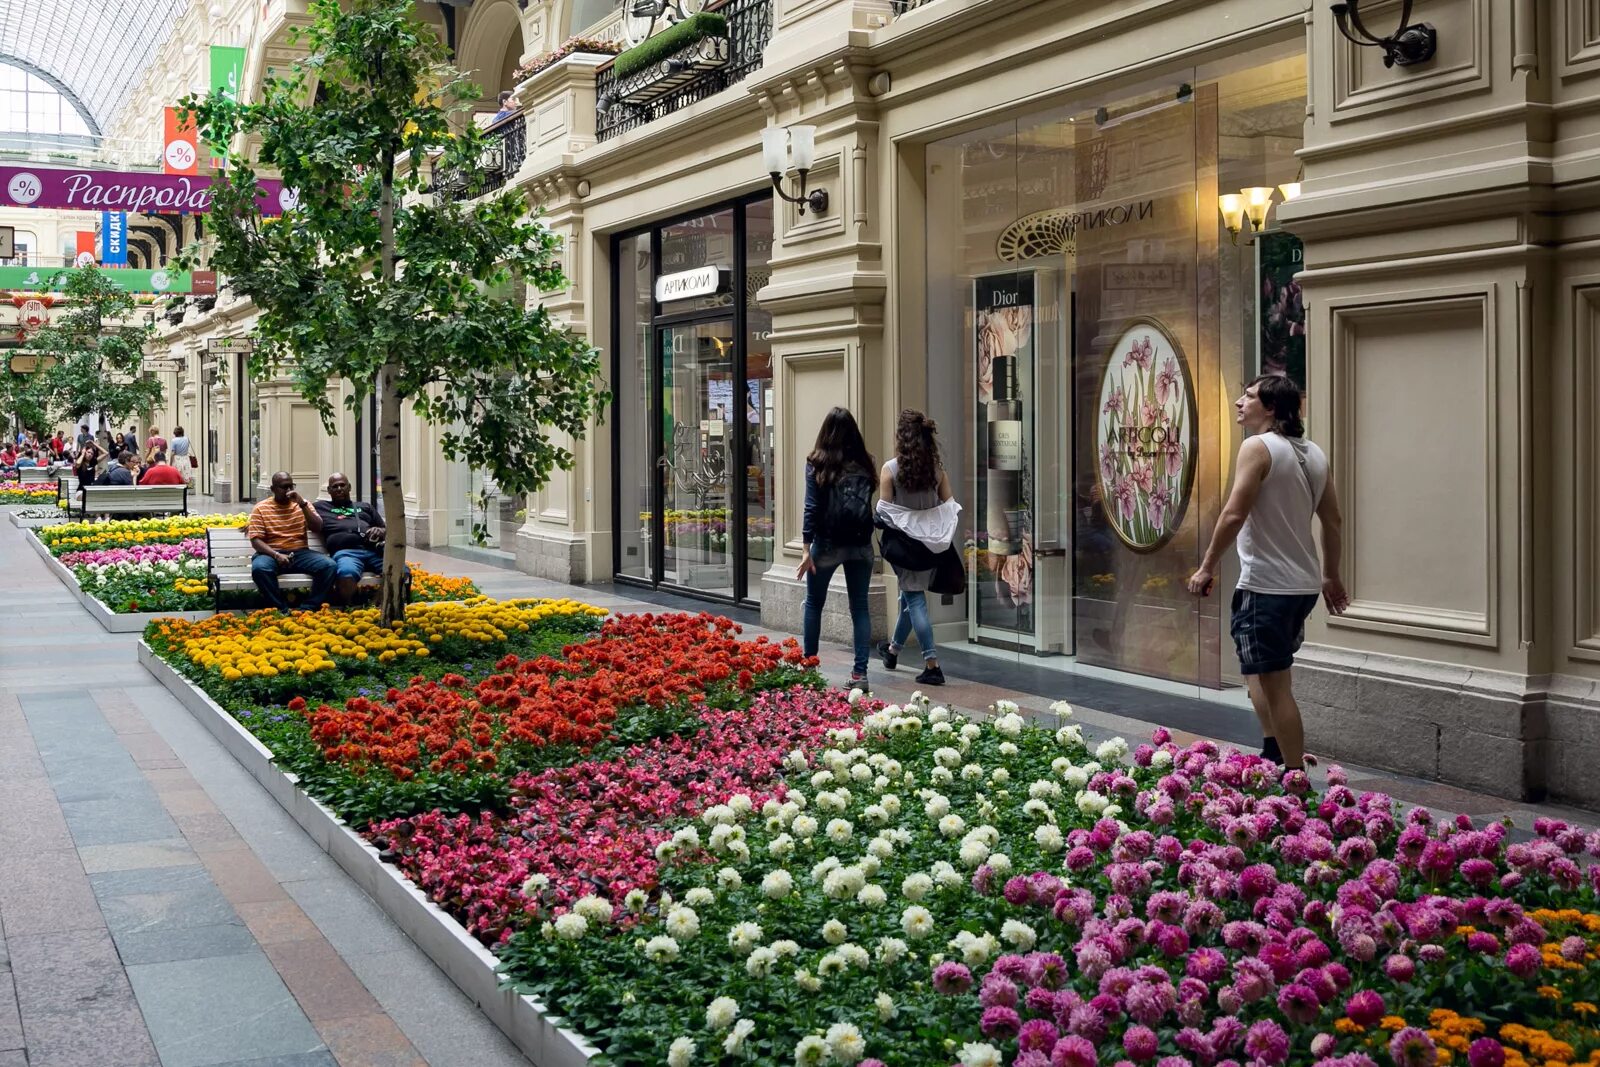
{"points": [[1267, 628]]}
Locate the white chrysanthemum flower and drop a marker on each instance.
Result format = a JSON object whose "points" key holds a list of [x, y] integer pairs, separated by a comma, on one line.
{"points": [[971, 732], [636, 900], [722, 834], [1036, 809], [664, 851], [738, 851], [831, 966], [1060, 765], [835, 932], [571, 926], [741, 804], [979, 1054], [787, 811], [972, 772], [855, 696], [870, 865], [804, 827], [845, 1042], [820, 869], [777, 884], [1048, 837], [1111, 812], [1111, 751], [683, 923], [1044, 789], [535, 884], [891, 950], [973, 853], [661, 949], [946, 875], [593, 908], [1092, 768], [952, 825], [854, 955], [1001, 863], [1161, 759], [721, 1013], [875, 814], [807, 981], [947, 757], [1069, 737], [1009, 750], [797, 798], [916, 886], [827, 802], [728, 878], [937, 807], [886, 1009], [744, 937], [699, 897], [681, 1052], [917, 922], [770, 807], [891, 804], [941, 729], [796, 760], [786, 948], [834, 887], [1019, 935], [1062, 709], [1091, 803], [733, 1044], [999, 776], [718, 815], [1009, 725], [780, 847], [872, 896], [1075, 778], [759, 963], [861, 773], [840, 831], [938, 714], [880, 848], [812, 1051]]}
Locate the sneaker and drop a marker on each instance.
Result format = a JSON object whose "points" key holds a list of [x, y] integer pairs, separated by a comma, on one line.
{"points": [[857, 681], [931, 676], [889, 658]]}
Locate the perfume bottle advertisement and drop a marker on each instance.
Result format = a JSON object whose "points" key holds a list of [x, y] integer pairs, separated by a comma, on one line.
{"points": [[1000, 544]]}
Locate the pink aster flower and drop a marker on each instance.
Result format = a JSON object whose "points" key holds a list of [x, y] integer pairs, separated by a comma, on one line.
{"points": [[1299, 1003], [1267, 1042], [951, 978], [1365, 1008], [1037, 1035], [1074, 1051], [1486, 1052], [1400, 968], [1000, 1023], [1140, 1043], [1523, 960], [1412, 1047]]}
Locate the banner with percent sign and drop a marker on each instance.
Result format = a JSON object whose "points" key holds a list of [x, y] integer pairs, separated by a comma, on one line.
{"points": [[110, 190]]}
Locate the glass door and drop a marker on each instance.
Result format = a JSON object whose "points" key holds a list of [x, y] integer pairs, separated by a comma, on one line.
{"points": [[700, 438]]}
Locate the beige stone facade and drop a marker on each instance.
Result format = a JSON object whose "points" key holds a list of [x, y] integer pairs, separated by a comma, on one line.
{"points": [[1448, 228]]}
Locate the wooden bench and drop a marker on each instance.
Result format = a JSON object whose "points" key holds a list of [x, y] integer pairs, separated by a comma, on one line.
{"points": [[229, 555], [33, 475], [133, 500], [66, 489]]}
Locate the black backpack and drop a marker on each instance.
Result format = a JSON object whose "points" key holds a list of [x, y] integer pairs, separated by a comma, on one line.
{"points": [[847, 514]]}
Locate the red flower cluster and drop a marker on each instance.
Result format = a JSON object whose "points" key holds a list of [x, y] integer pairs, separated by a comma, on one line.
{"points": [[571, 701], [593, 827]]}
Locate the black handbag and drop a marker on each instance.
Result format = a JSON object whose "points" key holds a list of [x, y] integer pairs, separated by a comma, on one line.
{"points": [[909, 554], [949, 574]]}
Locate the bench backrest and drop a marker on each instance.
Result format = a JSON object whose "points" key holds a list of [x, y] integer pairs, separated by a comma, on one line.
{"points": [[29, 475], [66, 488], [229, 551], [104, 499]]}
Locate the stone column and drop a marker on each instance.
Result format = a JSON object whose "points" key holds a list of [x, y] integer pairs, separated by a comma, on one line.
{"points": [[1449, 281], [828, 283]]}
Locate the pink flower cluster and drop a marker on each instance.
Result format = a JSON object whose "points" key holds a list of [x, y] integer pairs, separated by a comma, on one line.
{"points": [[1184, 941], [193, 548], [594, 826]]}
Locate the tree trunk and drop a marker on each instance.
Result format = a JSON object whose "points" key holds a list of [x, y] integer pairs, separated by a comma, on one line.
{"points": [[389, 406]]}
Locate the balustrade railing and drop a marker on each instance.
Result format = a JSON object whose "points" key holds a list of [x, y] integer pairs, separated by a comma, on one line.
{"points": [[749, 30], [505, 147]]}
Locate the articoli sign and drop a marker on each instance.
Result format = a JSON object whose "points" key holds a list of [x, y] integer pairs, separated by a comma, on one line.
{"points": [[702, 281]]}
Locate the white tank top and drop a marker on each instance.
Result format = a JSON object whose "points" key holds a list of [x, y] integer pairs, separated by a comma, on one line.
{"points": [[1276, 551]]}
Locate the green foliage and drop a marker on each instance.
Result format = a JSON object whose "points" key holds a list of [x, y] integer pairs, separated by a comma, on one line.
{"points": [[97, 345], [369, 281], [670, 41]]}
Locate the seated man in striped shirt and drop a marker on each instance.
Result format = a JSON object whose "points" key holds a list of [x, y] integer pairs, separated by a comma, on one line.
{"points": [[277, 531]]}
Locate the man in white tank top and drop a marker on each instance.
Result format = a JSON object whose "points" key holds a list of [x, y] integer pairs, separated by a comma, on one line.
{"points": [[1282, 480]]}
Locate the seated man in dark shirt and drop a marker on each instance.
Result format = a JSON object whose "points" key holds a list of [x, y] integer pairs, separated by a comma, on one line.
{"points": [[353, 532], [125, 472]]}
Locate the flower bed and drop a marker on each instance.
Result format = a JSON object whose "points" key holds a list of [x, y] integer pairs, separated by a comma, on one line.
{"points": [[942, 891], [127, 533], [27, 493]]}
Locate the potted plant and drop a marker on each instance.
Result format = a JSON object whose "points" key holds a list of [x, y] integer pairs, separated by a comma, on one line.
{"points": [[673, 57], [592, 46]]}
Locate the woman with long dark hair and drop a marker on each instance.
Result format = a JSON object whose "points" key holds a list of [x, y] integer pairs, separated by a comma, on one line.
{"points": [[914, 499], [837, 531]]}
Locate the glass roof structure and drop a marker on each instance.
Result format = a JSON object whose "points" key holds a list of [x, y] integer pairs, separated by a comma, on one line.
{"points": [[92, 51]]}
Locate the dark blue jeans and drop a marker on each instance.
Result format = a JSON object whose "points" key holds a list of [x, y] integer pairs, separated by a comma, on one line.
{"points": [[320, 568], [857, 577]]}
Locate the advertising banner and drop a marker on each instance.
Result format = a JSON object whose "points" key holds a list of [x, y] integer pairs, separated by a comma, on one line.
{"points": [[110, 190], [1003, 307], [180, 154], [85, 250], [114, 238], [1281, 337], [42, 279], [227, 77]]}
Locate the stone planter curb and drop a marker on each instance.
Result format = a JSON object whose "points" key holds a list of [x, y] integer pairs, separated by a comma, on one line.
{"points": [[132, 622], [445, 941]]}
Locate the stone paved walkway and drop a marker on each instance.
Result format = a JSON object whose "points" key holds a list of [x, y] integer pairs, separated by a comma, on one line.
{"points": [[157, 907]]}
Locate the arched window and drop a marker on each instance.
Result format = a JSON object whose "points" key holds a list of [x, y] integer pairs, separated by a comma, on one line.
{"points": [[30, 105]]}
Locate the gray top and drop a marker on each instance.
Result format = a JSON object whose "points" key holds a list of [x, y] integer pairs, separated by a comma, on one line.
{"points": [[917, 500]]}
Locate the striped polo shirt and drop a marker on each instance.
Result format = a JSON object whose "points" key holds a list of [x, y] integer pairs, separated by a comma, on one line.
{"points": [[281, 526]]}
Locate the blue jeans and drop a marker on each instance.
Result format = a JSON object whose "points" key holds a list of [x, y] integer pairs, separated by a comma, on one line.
{"points": [[265, 570], [914, 615], [857, 577], [352, 563]]}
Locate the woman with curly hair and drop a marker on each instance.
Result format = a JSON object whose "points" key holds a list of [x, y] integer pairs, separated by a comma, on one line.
{"points": [[915, 502]]}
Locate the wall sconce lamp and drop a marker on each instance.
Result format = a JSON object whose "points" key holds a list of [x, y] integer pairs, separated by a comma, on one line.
{"points": [[1406, 46], [793, 148], [1250, 204]]}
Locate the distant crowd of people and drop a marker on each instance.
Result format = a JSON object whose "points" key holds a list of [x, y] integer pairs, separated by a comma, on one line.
{"points": [[105, 457]]}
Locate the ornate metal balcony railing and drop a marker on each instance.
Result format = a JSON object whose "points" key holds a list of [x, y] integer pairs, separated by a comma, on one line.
{"points": [[749, 30], [902, 6], [503, 152]]}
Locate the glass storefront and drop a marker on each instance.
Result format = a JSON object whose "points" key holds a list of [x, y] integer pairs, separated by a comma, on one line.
{"points": [[1084, 289], [693, 430]]}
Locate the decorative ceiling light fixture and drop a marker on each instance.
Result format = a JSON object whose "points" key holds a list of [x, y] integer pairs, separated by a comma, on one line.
{"points": [[1252, 204], [1407, 45], [1290, 191], [793, 148]]}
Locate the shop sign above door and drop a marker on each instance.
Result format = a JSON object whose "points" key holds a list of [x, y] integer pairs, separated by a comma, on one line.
{"points": [[110, 190], [1145, 432], [702, 281], [43, 279]]}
